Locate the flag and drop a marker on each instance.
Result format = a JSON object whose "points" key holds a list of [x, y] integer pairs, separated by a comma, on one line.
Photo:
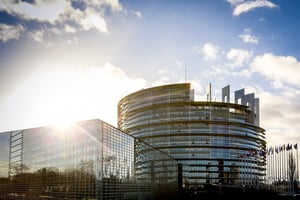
{"points": [[290, 146], [261, 152], [276, 149], [253, 152], [272, 150], [269, 151]]}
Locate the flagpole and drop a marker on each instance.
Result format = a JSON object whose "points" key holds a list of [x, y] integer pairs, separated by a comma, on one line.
{"points": [[272, 167], [288, 171], [297, 163], [280, 167], [277, 166], [287, 165]]}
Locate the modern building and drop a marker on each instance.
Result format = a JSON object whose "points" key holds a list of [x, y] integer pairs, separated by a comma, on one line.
{"points": [[214, 142], [88, 160], [165, 142]]}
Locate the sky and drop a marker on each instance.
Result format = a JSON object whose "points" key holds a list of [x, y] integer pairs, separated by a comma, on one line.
{"points": [[70, 60]]}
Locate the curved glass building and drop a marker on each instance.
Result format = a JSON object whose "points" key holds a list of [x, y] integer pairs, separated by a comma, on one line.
{"points": [[214, 142]]}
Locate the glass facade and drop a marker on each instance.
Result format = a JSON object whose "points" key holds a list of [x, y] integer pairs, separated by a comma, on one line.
{"points": [[214, 142], [88, 160]]}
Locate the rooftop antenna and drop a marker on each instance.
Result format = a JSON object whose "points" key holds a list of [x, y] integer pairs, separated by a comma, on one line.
{"points": [[208, 92], [185, 72]]}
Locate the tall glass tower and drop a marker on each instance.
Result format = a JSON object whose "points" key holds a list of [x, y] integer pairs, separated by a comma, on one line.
{"points": [[214, 142]]}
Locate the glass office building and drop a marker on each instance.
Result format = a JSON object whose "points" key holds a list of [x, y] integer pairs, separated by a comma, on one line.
{"points": [[214, 142], [88, 160]]}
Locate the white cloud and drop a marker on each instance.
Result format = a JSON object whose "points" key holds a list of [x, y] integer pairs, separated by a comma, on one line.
{"points": [[138, 14], [83, 19], [279, 69], [93, 20], [280, 115], [209, 51], [50, 11], [69, 29], [235, 2], [37, 35], [9, 32], [54, 30], [247, 37], [61, 17], [239, 57], [41, 10], [221, 72], [241, 6], [86, 19], [84, 93], [115, 5]]}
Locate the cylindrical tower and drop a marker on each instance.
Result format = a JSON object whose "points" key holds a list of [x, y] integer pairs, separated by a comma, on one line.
{"points": [[214, 142]]}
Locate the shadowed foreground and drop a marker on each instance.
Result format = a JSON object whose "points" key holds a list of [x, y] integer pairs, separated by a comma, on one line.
{"points": [[224, 194], [229, 193]]}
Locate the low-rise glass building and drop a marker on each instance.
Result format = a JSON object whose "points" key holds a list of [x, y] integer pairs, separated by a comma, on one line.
{"points": [[88, 160], [215, 143]]}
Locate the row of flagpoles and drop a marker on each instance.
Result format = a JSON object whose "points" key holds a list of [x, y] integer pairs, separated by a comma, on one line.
{"points": [[284, 147], [282, 167], [270, 151]]}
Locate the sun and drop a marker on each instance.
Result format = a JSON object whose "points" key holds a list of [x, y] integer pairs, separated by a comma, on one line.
{"points": [[66, 110], [64, 124], [64, 97]]}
